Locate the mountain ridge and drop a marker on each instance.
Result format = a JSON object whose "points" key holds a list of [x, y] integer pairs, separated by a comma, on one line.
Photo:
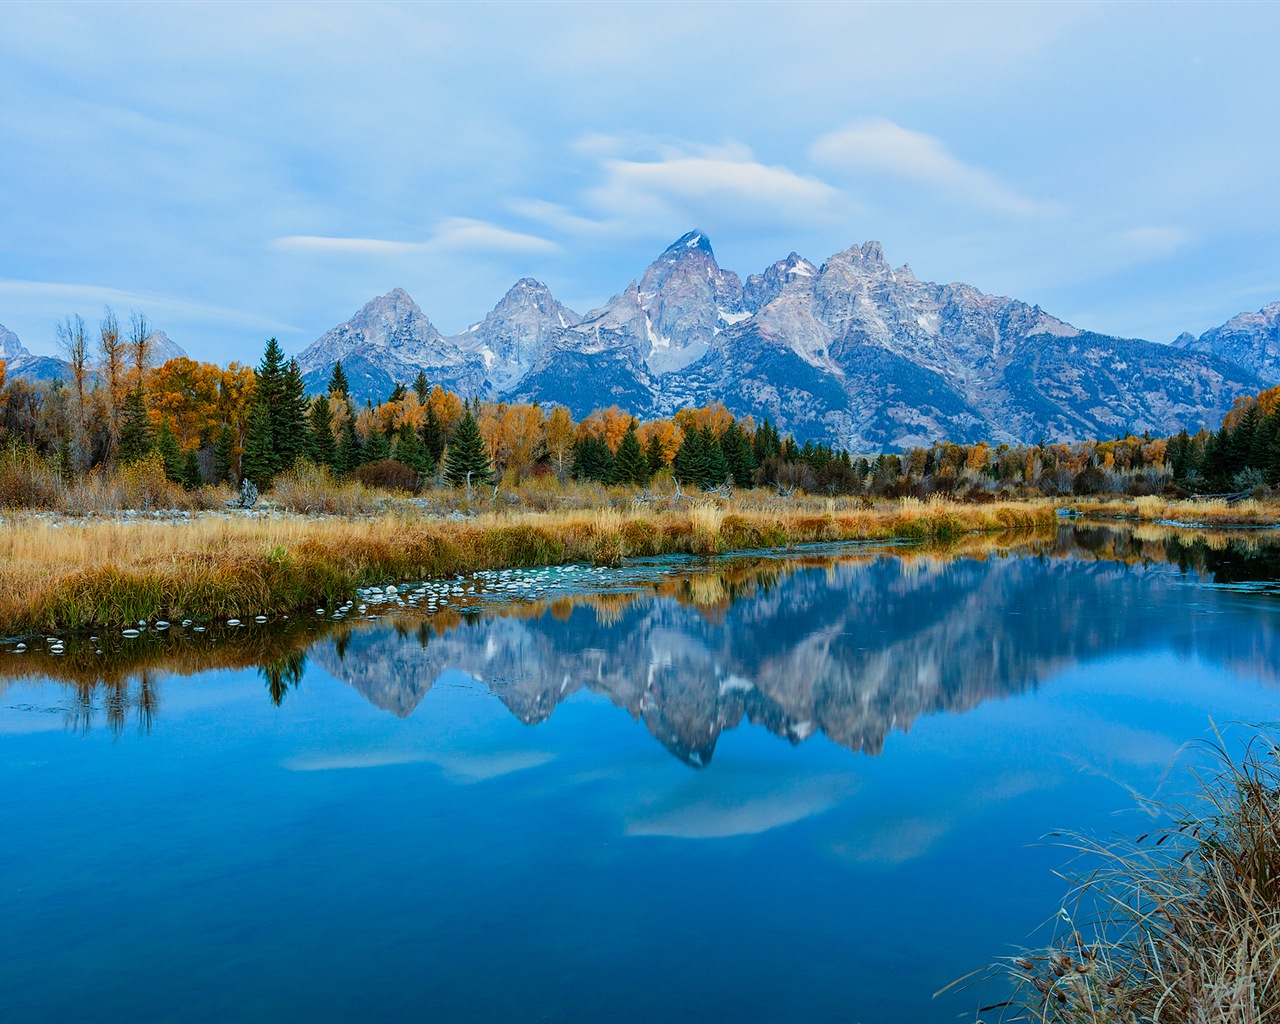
{"points": [[853, 351]]}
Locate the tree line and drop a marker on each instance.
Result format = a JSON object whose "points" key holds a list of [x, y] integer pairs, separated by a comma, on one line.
{"points": [[207, 424]]}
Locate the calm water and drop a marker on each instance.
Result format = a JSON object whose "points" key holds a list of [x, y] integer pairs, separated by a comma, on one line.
{"points": [[768, 790]]}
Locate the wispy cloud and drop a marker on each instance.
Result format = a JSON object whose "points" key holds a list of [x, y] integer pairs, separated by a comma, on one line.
{"points": [[651, 193], [1148, 242], [456, 234], [880, 146]]}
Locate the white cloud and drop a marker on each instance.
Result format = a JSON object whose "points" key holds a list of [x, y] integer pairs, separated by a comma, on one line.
{"points": [[456, 234], [676, 186], [880, 146]]}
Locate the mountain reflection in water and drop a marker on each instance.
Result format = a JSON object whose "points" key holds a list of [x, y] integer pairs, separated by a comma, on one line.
{"points": [[849, 644]]}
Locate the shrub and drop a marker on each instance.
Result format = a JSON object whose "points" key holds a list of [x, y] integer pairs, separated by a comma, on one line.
{"points": [[388, 475], [27, 480]]}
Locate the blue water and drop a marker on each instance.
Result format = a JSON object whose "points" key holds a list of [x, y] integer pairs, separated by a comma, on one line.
{"points": [[802, 792]]}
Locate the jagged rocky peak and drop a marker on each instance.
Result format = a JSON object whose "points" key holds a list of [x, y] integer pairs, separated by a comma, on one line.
{"points": [[164, 348], [1250, 339], [761, 289], [515, 332], [687, 299], [10, 346]]}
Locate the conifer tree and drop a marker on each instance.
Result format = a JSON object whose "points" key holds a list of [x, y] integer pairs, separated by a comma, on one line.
{"points": [[408, 448], [324, 447], [257, 464], [630, 465], [398, 392], [432, 437], [765, 444], [136, 440], [738, 455], [377, 447], [1263, 435], [269, 376], [170, 451], [421, 387], [350, 454], [289, 433], [690, 461], [224, 455], [715, 470], [338, 381], [191, 475], [467, 454], [592, 459], [655, 455]]}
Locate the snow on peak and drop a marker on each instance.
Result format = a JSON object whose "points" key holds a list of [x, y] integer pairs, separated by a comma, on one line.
{"points": [[690, 240]]}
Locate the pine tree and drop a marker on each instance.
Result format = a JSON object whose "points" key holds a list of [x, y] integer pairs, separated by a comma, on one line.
{"points": [[592, 459], [738, 455], [655, 455], [1263, 435], [257, 463], [690, 460], [324, 447], [421, 387], [432, 437], [269, 376], [350, 454], [715, 469], [467, 454], [224, 452], [630, 465], [1242, 442], [398, 392], [170, 451], [191, 475], [408, 448], [136, 440], [338, 381], [377, 447], [765, 444], [289, 433]]}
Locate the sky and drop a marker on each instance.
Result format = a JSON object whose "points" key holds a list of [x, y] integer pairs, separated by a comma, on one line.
{"points": [[239, 171]]}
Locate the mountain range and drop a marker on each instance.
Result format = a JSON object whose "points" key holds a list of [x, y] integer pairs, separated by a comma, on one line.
{"points": [[855, 352], [22, 364]]}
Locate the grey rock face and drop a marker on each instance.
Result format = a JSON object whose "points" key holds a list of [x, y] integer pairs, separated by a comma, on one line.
{"points": [[21, 364], [164, 348], [388, 341], [10, 347], [1251, 340], [516, 332]]}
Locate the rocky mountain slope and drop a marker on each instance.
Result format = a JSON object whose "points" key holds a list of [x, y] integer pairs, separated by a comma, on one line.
{"points": [[854, 351], [1251, 340], [22, 364]]}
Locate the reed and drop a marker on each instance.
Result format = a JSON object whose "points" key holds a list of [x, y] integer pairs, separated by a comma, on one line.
{"points": [[71, 574], [1179, 925]]}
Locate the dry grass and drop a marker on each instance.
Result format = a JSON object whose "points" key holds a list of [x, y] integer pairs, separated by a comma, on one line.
{"points": [[81, 574], [309, 489], [1210, 511], [1181, 925]]}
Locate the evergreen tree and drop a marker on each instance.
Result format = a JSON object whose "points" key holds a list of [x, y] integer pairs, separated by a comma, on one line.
{"points": [[269, 377], [421, 387], [789, 451], [224, 452], [1242, 441], [257, 464], [1263, 436], [136, 439], [350, 454], [630, 465], [1273, 460], [408, 448], [338, 382], [377, 447], [398, 392], [690, 460], [170, 451], [766, 443], [191, 475], [289, 432], [738, 455], [715, 468], [592, 459], [467, 454], [432, 437], [655, 455], [324, 446]]}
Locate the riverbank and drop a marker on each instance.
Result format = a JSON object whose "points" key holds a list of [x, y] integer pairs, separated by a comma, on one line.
{"points": [[69, 574]]}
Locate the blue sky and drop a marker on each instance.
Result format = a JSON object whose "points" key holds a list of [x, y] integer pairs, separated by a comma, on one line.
{"points": [[238, 171]]}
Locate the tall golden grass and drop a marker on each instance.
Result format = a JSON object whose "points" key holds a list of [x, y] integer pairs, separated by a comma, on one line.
{"points": [[75, 574], [1179, 925]]}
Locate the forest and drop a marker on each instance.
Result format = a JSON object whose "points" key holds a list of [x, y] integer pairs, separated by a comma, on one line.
{"points": [[121, 430]]}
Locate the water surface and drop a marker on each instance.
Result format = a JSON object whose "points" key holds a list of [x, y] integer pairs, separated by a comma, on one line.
{"points": [[763, 789]]}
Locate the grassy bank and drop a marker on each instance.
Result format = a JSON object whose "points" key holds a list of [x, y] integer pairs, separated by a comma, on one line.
{"points": [[1205, 511], [1181, 924], [75, 574]]}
